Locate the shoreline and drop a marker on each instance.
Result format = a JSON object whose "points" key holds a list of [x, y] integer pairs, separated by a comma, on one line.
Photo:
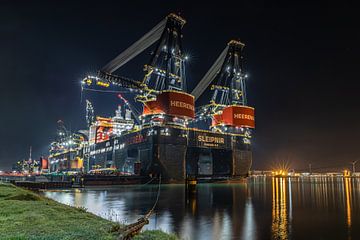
{"points": [[28, 215]]}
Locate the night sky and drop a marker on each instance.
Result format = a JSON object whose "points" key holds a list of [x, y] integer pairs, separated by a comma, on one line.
{"points": [[303, 62]]}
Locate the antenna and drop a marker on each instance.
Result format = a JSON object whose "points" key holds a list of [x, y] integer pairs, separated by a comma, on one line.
{"points": [[353, 165], [30, 152]]}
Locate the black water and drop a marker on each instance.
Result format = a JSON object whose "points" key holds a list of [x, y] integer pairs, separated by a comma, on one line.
{"points": [[262, 208]]}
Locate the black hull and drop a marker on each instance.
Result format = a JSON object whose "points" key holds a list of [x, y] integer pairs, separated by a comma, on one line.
{"points": [[174, 153]]}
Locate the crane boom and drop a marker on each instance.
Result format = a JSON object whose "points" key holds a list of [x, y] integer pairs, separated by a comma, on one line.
{"points": [[210, 75], [120, 81], [136, 48]]}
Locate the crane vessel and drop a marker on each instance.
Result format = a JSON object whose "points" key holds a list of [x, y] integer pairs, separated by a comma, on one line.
{"points": [[203, 133]]}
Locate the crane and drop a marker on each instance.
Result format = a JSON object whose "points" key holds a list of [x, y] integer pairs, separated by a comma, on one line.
{"points": [[165, 70], [226, 80], [164, 79]]}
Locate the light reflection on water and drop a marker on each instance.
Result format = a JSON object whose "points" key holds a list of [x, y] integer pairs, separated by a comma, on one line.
{"points": [[281, 223], [262, 208]]}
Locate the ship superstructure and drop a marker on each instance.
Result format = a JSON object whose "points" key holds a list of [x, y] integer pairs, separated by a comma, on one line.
{"points": [[66, 152], [165, 137]]}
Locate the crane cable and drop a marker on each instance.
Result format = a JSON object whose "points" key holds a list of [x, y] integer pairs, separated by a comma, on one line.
{"points": [[136, 48], [210, 75]]}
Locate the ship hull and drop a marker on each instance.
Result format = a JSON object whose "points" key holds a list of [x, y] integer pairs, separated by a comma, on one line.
{"points": [[174, 153]]}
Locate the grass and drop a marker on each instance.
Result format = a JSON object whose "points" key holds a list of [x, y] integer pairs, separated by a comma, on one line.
{"points": [[26, 215], [155, 234]]}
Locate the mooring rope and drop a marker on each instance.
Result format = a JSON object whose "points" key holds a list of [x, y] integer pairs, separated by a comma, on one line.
{"points": [[157, 197], [147, 182], [134, 228]]}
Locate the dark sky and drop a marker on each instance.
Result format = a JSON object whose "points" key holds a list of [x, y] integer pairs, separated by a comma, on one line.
{"points": [[303, 61]]}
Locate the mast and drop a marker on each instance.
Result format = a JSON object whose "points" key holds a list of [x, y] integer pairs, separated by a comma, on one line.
{"points": [[30, 151], [166, 69], [228, 86], [90, 117]]}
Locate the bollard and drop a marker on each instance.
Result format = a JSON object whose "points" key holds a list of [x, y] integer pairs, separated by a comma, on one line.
{"points": [[190, 186], [191, 194]]}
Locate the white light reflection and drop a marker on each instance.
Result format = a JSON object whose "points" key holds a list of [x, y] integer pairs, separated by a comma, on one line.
{"points": [[290, 205], [216, 231], [187, 228], [249, 231], [226, 226], [162, 222]]}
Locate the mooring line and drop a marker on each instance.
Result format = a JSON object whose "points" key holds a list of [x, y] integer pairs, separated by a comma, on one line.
{"points": [[132, 229]]}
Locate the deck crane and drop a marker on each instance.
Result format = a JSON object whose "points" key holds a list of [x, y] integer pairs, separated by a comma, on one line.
{"points": [[226, 80], [164, 79], [90, 117], [133, 110]]}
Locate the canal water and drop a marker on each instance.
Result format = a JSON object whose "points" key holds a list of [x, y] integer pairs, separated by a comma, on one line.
{"points": [[261, 208]]}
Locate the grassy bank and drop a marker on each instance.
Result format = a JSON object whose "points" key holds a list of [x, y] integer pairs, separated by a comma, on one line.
{"points": [[26, 215]]}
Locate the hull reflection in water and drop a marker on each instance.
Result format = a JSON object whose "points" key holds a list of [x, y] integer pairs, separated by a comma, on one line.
{"points": [[262, 208]]}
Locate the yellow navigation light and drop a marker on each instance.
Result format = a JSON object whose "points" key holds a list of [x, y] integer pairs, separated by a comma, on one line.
{"points": [[88, 81], [103, 84], [213, 87], [280, 172]]}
